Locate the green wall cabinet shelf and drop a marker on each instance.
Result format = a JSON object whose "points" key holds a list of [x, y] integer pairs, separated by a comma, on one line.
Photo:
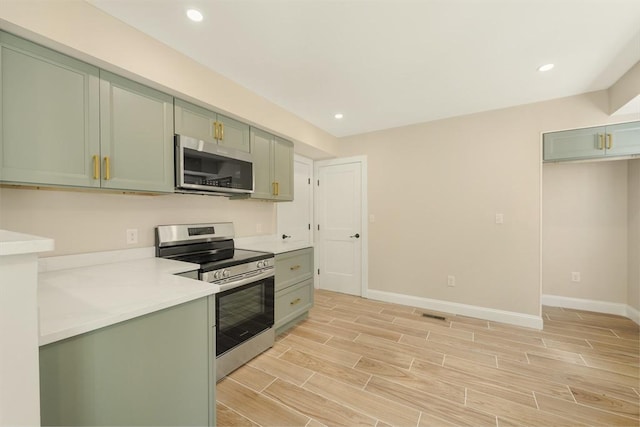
{"points": [[620, 140]]}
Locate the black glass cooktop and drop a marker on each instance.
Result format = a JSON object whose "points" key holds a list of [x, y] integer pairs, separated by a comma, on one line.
{"points": [[224, 258]]}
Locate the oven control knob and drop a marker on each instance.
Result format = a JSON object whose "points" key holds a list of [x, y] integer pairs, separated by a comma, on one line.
{"points": [[260, 264], [226, 273], [265, 263], [217, 274]]}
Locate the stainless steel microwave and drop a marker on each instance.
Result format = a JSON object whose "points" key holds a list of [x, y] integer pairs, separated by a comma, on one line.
{"points": [[206, 167]]}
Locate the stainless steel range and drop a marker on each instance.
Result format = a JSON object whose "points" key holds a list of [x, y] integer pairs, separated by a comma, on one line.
{"points": [[244, 304]]}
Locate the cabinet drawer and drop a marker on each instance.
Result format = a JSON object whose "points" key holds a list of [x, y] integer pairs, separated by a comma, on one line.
{"points": [[293, 301], [293, 267]]}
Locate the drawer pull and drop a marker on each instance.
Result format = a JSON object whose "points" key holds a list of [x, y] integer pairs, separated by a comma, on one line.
{"points": [[295, 301], [295, 267]]}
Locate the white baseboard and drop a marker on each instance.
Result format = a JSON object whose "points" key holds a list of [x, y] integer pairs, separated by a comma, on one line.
{"points": [[592, 305], [510, 317]]}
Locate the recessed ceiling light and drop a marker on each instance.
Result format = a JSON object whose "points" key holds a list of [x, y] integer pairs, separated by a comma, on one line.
{"points": [[545, 67], [194, 15], [338, 115]]}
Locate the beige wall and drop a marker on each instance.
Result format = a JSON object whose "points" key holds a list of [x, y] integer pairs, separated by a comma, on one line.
{"points": [[79, 29], [434, 189], [96, 221], [633, 292], [625, 89], [585, 230]]}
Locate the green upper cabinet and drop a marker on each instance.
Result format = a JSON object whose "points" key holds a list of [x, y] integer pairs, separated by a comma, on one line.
{"points": [[136, 133], [67, 123], [272, 166], [283, 169], [623, 139], [591, 143], [198, 122], [49, 117], [261, 143]]}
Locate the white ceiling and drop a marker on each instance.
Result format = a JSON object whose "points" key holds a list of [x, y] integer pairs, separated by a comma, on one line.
{"points": [[389, 63]]}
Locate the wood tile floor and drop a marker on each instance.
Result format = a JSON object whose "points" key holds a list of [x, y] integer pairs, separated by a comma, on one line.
{"points": [[357, 362]]}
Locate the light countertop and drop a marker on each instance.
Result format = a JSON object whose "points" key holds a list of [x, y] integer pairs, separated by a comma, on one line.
{"points": [[270, 244], [78, 300], [12, 243]]}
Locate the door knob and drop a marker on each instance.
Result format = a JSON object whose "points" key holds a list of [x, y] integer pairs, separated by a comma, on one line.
{"points": [[284, 236], [357, 236]]}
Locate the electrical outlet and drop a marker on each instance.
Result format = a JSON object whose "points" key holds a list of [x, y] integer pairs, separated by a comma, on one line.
{"points": [[499, 218], [451, 281], [132, 236], [258, 228], [575, 276]]}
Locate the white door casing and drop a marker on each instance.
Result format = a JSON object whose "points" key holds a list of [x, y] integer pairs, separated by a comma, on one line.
{"points": [[341, 227], [296, 218]]}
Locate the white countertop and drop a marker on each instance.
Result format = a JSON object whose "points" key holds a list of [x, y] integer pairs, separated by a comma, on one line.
{"points": [[270, 244], [12, 243], [78, 300]]}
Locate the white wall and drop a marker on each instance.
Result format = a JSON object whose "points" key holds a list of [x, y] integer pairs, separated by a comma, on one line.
{"points": [[585, 230], [435, 188], [633, 291], [96, 221]]}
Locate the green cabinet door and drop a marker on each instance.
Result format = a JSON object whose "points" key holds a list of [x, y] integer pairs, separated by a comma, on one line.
{"points": [[261, 143], [200, 123], [623, 139], [283, 169], [136, 136], [574, 144], [154, 370], [234, 134], [49, 116], [194, 121], [272, 166], [591, 143]]}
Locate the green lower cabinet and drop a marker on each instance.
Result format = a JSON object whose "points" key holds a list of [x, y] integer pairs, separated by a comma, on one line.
{"points": [[294, 287], [157, 369], [292, 305]]}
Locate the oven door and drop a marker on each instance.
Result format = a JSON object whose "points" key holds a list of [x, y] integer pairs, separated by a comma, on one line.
{"points": [[243, 312]]}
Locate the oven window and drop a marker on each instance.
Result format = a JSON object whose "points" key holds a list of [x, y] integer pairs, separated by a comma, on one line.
{"points": [[241, 307], [211, 170], [242, 313]]}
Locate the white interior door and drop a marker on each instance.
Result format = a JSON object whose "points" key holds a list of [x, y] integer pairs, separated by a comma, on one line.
{"points": [[295, 218], [341, 233]]}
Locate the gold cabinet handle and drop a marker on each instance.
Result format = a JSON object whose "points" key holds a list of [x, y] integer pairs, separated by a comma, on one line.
{"points": [[96, 167], [600, 141], [273, 189], [277, 188], [215, 130], [295, 301], [221, 131], [107, 168], [295, 267], [609, 141]]}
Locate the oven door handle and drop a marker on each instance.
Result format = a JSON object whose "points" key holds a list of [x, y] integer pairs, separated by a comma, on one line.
{"points": [[253, 278]]}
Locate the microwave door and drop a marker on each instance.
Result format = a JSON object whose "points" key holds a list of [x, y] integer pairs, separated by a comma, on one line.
{"points": [[204, 166]]}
